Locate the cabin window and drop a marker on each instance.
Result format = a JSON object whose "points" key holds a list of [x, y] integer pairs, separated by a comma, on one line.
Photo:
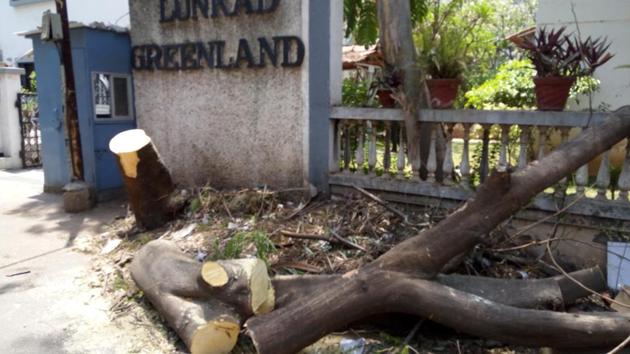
{"points": [[112, 96]]}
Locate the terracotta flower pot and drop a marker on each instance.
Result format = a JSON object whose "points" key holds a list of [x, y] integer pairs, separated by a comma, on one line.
{"points": [[552, 93], [385, 98], [443, 92]]}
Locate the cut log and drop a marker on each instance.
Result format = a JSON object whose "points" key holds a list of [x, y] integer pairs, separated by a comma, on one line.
{"points": [[243, 283], [247, 289], [170, 281], [206, 326], [553, 293], [149, 186]]}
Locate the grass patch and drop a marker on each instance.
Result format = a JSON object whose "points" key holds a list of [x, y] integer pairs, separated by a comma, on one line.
{"points": [[237, 244]]}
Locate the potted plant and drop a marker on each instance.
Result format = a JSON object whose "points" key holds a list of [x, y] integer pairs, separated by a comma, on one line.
{"points": [[443, 61], [383, 87], [444, 43], [559, 60]]}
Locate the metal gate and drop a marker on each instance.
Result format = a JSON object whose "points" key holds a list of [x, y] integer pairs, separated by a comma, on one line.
{"points": [[28, 108]]}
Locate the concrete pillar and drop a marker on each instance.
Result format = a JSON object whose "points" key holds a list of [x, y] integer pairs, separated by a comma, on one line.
{"points": [[10, 135]]}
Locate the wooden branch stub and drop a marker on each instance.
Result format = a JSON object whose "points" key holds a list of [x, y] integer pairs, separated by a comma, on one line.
{"points": [[243, 283]]}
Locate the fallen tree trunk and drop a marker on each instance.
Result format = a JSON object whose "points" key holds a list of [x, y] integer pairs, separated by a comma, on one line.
{"points": [[149, 186], [372, 292], [308, 318]]}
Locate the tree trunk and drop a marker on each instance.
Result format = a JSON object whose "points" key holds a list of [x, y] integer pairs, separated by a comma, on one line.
{"points": [[399, 54], [372, 291], [149, 186]]}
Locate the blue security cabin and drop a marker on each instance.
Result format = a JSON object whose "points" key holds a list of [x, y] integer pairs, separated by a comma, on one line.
{"points": [[102, 68]]}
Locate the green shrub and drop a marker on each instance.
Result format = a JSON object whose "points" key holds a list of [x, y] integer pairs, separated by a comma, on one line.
{"points": [[355, 92], [511, 88]]}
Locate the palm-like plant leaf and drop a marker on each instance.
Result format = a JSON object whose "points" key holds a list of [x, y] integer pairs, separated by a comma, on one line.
{"points": [[362, 21]]}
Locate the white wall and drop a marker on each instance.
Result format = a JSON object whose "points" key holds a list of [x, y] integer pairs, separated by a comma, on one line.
{"points": [[28, 17], [16, 19], [10, 136], [610, 18]]}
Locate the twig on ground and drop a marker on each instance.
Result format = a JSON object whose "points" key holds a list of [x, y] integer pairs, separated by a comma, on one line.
{"points": [[301, 209], [300, 266], [336, 238], [307, 236], [386, 205], [346, 242], [262, 202], [412, 334], [227, 210], [20, 273], [621, 345], [527, 245]]}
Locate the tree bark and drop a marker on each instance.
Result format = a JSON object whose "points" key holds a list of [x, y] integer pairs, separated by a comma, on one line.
{"points": [[553, 293], [149, 186], [502, 195], [399, 54], [372, 291]]}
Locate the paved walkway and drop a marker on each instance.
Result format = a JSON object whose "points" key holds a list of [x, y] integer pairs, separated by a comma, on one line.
{"points": [[50, 308]]}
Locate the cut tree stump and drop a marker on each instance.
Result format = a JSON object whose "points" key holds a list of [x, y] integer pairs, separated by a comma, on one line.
{"points": [[149, 186]]}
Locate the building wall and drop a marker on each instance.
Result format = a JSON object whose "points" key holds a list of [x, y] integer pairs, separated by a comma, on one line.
{"points": [[610, 18], [231, 128], [10, 135], [28, 17], [17, 19]]}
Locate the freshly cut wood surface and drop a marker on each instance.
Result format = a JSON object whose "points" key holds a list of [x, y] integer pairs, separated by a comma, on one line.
{"points": [[243, 283]]}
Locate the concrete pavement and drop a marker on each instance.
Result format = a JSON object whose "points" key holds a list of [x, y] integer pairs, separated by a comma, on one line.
{"points": [[50, 308]]}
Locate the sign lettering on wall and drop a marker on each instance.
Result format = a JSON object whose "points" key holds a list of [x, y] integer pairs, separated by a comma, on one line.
{"points": [[278, 51]]}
